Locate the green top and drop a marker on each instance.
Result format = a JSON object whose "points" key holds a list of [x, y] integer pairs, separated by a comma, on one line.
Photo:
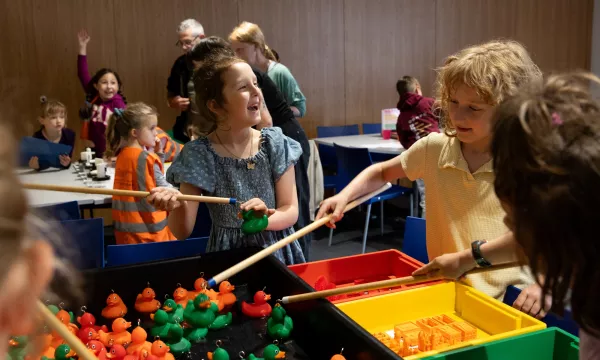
{"points": [[288, 86]]}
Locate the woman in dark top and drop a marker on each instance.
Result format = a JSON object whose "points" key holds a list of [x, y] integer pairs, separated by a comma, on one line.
{"points": [[282, 116], [53, 118]]}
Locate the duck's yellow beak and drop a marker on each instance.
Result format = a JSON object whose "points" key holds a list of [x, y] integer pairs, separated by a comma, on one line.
{"points": [[12, 342], [267, 297], [70, 354], [167, 308], [205, 304], [281, 355]]}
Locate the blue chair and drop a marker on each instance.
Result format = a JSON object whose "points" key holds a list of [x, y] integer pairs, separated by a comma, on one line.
{"points": [[65, 211], [351, 161], [203, 223], [565, 322], [327, 153], [371, 128], [414, 243], [118, 255], [87, 237]]}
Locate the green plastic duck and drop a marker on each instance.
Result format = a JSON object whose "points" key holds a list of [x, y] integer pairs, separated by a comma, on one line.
{"points": [[53, 308], [161, 325], [271, 352], [201, 315], [17, 349], [253, 223], [174, 311], [177, 343], [62, 352], [279, 325], [219, 354]]}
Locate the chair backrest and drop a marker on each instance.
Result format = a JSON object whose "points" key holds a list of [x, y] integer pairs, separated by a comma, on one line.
{"points": [[414, 243], [65, 211], [350, 162], [564, 322], [331, 131], [371, 128], [203, 222], [118, 255], [87, 239]]}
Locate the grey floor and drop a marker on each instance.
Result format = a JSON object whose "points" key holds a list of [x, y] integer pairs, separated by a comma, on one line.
{"points": [[347, 238]]}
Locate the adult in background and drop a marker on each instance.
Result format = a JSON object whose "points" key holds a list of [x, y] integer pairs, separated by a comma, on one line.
{"points": [[180, 89], [281, 116], [416, 120], [248, 42]]}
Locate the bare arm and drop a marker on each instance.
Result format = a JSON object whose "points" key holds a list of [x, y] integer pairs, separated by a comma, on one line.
{"points": [[296, 112], [286, 214], [370, 179], [183, 218], [265, 116]]}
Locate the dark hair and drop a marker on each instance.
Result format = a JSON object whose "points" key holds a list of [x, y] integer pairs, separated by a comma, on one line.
{"points": [[210, 46], [122, 121], [209, 84], [407, 84], [275, 54], [546, 156], [92, 93]]}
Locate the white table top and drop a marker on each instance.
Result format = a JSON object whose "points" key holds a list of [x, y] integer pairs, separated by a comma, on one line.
{"points": [[374, 142], [67, 177]]}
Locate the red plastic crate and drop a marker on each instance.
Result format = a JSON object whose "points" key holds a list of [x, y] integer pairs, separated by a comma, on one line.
{"points": [[359, 269]]}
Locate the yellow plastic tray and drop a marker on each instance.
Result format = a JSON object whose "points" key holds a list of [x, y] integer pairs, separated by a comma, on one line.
{"points": [[493, 319]]}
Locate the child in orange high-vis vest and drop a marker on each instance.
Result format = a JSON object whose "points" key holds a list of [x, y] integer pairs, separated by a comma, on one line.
{"points": [[172, 148], [132, 135]]}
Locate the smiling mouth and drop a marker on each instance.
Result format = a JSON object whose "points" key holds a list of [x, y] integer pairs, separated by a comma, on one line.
{"points": [[253, 108]]}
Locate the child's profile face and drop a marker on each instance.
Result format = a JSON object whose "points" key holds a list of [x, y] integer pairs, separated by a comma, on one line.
{"points": [[242, 96], [53, 123], [107, 86], [245, 51], [146, 134], [470, 115]]}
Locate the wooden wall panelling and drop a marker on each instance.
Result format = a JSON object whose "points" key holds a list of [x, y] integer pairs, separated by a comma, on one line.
{"points": [[146, 37], [17, 63], [308, 35], [384, 40], [562, 43]]}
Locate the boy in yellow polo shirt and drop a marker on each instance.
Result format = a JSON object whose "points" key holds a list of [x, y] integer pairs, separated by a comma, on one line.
{"points": [[456, 166]]}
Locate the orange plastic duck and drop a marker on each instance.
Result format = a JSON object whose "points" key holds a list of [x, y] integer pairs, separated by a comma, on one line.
{"points": [[138, 341], [119, 334], [48, 350], [201, 286], [117, 352], [181, 296], [161, 351], [115, 308], [226, 297], [260, 308], [146, 302], [64, 318]]}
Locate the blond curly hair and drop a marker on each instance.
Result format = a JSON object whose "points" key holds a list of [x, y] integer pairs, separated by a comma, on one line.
{"points": [[495, 70]]}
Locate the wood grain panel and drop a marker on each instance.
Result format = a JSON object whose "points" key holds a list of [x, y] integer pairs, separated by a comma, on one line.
{"points": [[384, 40], [308, 35], [146, 37]]}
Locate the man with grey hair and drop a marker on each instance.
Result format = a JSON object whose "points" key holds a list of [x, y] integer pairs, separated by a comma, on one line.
{"points": [[179, 85]]}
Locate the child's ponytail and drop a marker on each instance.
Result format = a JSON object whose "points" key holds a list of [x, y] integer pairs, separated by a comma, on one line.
{"points": [[121, 122]]}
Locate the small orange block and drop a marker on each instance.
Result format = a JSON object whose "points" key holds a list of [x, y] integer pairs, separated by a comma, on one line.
{"points": [[388, 341], [467, 331], [450, 334]]}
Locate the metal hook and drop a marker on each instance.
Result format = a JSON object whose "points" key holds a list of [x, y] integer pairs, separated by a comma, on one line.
{"points": [[83, 309], [276, 342], [178, 285], [341, 351], [201, 274], [166, 296], [61, 305], [148, 284], [218, 343], [112, 291], [139, 322], [265, 288], [242, 354], [156, 338]]}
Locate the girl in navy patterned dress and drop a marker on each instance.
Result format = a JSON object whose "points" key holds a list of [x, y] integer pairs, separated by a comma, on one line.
{"points": [[234, 160]]}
